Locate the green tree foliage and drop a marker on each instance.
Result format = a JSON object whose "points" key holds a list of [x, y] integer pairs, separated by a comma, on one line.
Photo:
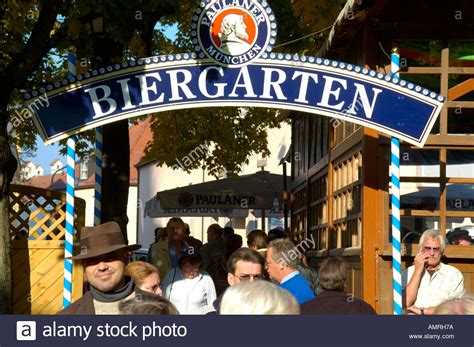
{"points": [[17, 21], [230, 134], [314, 15], [233, 135], [35, 37], [126, 22], [26, 33]]}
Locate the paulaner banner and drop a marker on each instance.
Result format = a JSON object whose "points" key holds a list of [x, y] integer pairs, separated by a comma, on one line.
{"points": [[153, 209], [234, 66]]}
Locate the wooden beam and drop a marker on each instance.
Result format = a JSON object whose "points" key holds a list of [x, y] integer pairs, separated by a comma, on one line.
{"points": [[421, 70], [461, 104], [443, 121], [461, 89], [370, 217], [449, 140]]}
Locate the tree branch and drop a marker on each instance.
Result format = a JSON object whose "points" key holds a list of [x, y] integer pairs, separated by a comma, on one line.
{"points": [[3, 6], [25, 62]]}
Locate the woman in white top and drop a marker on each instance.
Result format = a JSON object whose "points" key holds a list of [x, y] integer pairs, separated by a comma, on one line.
{"points": [[188, 287]]}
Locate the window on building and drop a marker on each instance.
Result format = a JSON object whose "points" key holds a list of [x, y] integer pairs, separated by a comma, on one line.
{"points": [[298, 208], [435, 195], [437, 182], [318, 209], [319, 138], [299, 151], [347, 222], [84, 172]]}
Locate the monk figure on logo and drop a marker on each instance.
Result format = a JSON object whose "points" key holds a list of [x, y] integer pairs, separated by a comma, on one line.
{"points": [[232, 35]]}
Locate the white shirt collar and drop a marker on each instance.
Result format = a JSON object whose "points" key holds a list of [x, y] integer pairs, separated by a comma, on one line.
{"points": [[289, 276]]}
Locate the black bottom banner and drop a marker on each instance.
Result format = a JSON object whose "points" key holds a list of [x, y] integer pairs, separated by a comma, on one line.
{"points": [[237, 330]]}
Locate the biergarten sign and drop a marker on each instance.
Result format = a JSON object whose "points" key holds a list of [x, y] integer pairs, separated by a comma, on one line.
{"points": [[233, 66]]}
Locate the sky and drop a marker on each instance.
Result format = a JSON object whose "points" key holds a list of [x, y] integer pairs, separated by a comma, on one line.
{"points": [[45, 154]]}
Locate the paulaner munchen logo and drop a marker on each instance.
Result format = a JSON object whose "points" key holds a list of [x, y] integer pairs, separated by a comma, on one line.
{"points": [[233, 32]]}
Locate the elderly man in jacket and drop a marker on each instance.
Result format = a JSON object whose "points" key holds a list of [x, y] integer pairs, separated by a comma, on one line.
{"points": [[282, 263]]}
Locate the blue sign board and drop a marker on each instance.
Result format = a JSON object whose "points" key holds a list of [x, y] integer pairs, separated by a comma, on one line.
{"points": [[308, 84]]}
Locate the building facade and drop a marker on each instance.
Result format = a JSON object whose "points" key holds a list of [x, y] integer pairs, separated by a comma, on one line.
{"points": [[340, 171], [139, 136], [29, 170], [57, 166], [153, 179]]}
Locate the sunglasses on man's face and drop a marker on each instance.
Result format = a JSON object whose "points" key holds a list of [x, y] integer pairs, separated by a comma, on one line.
{"points": [[435, 250], [248, 277]]}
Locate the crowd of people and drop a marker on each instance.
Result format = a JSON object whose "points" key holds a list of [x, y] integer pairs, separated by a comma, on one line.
{"points": [[180, 275]]}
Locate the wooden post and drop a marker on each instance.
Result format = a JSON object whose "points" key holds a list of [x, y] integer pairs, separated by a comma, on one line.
{"points": [[370, 217], [285, 202]]}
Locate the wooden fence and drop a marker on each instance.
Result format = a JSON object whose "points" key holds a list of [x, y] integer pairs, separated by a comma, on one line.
{"points": [[37, 229]]}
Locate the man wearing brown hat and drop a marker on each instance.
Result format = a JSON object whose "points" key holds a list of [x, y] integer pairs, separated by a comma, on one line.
{"points": [[104, 255]]}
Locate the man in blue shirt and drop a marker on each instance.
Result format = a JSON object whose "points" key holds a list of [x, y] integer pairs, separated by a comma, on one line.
{"points": [[282, 262]]}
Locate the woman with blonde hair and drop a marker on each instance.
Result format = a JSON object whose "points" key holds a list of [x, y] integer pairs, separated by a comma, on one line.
{"points": [[145, 276]]}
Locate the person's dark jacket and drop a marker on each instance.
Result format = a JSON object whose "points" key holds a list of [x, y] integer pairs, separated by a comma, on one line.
{"points": [[194, 243], [335, 302], [85, 305], [217, 303], [211, 249]]}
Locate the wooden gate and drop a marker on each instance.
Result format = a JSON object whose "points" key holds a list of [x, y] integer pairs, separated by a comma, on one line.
{"points": [[37, 230]]}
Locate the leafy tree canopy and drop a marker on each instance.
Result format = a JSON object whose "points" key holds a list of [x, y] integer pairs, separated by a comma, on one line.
{"points": [[233, 134]]}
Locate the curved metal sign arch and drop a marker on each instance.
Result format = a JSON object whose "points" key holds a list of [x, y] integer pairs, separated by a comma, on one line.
{"points": [[233, 66]]}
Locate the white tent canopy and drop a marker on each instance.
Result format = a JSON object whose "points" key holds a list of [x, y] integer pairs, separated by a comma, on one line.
{"points": [[153, 209], [229, 197]]}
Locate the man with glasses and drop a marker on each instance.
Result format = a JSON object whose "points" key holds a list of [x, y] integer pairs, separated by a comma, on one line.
{"points": [[189, 287], [244, 265], [428, 283]]}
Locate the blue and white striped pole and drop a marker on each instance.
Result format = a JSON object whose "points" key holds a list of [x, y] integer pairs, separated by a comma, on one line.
{"points": [[70, 188], [71, 65], [68, 245], [395, 172], [98, 176]]}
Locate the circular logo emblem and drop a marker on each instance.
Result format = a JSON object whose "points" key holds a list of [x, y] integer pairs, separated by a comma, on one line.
{"points": [[233, 32], [185, 199]]}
